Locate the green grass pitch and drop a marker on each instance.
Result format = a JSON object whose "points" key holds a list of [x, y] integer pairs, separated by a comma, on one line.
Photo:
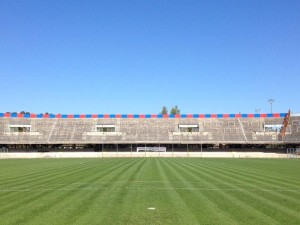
{"points": [[121, 191]]}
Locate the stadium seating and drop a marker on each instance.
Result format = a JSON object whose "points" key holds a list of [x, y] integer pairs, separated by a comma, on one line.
{"points": [[147, 129]]}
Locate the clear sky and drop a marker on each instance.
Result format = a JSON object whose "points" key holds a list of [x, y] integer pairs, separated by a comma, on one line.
{"points": [[222, 56]]}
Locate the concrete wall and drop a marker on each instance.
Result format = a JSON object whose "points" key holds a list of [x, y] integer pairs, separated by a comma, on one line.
{"points": [[30, 155]]}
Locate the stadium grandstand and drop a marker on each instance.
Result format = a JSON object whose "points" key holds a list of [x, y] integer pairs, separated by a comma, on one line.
{"points": [[28, 132]]}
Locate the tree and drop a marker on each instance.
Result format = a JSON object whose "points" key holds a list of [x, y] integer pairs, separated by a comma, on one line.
{"points": [[175, 110], [164, 110]]}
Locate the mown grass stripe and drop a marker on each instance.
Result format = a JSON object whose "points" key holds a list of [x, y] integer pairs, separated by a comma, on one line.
{"points": [[183, 213], [257, 195], [212, 208], [262, 175], [212, 199], [116, 201], [31, 198], [250, 181], [39, 208], [86, 203], [119, 191], [242, 209], [40, 174], [67, 176]]}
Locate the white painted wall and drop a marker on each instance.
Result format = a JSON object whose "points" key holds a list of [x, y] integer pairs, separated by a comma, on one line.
{"points": [[30, 155]]}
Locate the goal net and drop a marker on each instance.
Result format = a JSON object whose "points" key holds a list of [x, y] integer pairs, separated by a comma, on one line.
{"points": [[293, 152], [151, 149]]}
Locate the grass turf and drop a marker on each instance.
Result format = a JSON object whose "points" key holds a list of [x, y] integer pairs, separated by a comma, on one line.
{"points": [[120, 191]]}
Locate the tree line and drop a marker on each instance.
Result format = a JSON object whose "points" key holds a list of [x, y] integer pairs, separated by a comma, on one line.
{"points": [[174, 110]]}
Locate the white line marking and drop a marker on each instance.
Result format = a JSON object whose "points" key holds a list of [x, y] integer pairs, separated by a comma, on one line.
{"points": [[146, 188]]}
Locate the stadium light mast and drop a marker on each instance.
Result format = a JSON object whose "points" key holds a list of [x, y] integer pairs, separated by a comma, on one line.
{"points": [[271, 101]]}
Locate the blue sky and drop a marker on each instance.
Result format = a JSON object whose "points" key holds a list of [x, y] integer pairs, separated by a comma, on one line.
{"points": [[137, 56]]}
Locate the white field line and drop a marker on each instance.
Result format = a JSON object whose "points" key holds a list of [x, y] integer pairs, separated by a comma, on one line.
{"points": [[140, 183], [30, 189], [156, 181]]}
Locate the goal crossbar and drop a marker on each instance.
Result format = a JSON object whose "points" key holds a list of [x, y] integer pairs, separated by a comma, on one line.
{"points": [[151, 149]]}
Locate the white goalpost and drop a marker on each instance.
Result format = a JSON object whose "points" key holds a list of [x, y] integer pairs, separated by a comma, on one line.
{"points": [[151, 149], [292, 152]]}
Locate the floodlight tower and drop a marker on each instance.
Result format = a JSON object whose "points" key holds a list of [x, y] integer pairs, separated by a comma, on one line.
{"points": [[271, 101]]}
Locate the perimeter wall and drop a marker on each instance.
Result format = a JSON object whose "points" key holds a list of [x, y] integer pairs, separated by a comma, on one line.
{"points": [[32, 155]]}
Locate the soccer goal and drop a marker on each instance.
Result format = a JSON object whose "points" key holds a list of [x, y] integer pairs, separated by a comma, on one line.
{"points": [[292, 152], [151, 149]]}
